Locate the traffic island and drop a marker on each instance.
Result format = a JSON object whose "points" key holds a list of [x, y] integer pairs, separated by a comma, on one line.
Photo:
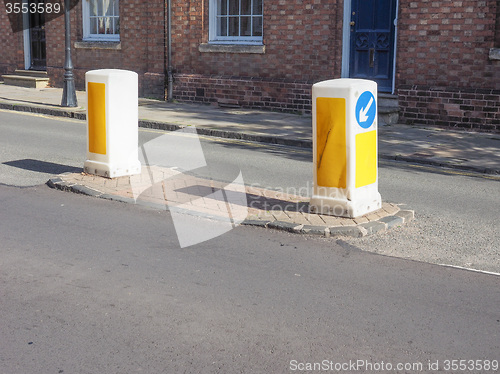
{"points": [[170, 189]]}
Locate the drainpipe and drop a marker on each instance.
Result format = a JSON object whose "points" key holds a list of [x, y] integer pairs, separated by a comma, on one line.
{"points": [[170, 79]]}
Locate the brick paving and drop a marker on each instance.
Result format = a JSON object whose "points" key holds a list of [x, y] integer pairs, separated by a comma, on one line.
{"points": [[168, 188]]}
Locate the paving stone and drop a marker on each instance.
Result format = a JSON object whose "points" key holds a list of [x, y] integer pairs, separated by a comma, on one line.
{"points": [[331, 221], [122, 181], [111, 183], [85, 190], [354, 231], [314, 219], [266, 216], [279, 215], [406, 215], [252, 190], [374, 227], [391, 209], [360, 220], [256, 222], [52, 182], [285, 226], [78, 177], [348, 222], [315, 230], [392, 221], [298, 217], [372, 216]]}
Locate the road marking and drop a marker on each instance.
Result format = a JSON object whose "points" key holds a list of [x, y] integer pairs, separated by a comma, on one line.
{"points": [[470, 269], [46, 116]]}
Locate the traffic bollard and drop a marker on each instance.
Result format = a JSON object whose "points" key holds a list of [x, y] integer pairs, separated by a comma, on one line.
{"points": [[344, 115], [112, 123]]}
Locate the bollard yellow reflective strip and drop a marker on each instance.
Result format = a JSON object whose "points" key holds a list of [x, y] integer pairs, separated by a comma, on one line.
{"points": [[366, 158], [97, 117], [331, 151]]}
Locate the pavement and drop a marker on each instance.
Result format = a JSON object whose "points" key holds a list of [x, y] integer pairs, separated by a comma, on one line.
{"points": [[469, 151]]}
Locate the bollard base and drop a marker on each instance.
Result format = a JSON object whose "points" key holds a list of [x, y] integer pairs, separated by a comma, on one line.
{"points": [[109, 171], [343, 207]]}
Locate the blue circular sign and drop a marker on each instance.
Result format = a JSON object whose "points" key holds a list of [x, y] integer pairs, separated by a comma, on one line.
{"points": [[366, 109]]}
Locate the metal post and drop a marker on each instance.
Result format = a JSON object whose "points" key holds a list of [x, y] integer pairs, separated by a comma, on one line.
{"points": [[170, 80], [69, 93]]}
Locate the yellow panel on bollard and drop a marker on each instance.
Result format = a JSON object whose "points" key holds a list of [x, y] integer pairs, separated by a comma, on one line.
{"points": [[96, 104], [112, 123], [331, 146], [345, 148]]}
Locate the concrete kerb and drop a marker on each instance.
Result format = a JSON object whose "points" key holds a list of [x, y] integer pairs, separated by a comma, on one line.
{"points": [[225, 134], [361, 230], [416, 160], [46, 110], [80, 114]]}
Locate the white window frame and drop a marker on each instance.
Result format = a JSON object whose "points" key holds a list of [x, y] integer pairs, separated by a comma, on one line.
{"points": [[87, 36], [217, 39]]}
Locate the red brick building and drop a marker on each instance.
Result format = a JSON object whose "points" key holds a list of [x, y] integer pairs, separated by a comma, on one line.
{"points": [[441, 58], [120, 34]]}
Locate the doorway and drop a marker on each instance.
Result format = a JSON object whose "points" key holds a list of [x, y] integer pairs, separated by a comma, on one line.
{"points": [[37, 46], [372, 33]]}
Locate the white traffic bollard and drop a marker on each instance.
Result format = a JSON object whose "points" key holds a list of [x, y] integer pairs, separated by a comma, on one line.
{"points": [[112, 123], [344, 115]]}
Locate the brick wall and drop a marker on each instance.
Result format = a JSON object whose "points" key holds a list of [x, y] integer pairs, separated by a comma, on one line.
{"points": [[497, 26], [142, 47], [459, 108], [12, 55], [247, 92], [444, 74], [302, 45]]}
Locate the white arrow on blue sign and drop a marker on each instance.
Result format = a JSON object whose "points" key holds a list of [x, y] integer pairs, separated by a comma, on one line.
{"points": [[366, 109]]}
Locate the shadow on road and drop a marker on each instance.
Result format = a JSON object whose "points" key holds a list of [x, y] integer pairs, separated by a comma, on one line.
{"points": [[42, 166]]}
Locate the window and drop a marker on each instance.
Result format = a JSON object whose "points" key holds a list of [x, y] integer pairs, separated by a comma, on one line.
{"points": [[101, 20], [236, 21]]}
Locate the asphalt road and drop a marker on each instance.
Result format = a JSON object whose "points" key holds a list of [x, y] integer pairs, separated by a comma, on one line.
{"points": [[456, 213], [94, 286]]}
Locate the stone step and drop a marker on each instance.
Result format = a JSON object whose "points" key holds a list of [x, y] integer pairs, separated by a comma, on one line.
{"points": [[388, 109], [36, 80], [385, 99], [31, 73]]}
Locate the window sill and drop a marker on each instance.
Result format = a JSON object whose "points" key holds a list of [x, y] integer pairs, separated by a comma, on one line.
{"points": [[232, 48], [98, 45], [495, 54]]}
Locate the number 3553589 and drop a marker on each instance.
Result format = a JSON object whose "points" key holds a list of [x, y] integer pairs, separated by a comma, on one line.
{"points": [[24, 8]]}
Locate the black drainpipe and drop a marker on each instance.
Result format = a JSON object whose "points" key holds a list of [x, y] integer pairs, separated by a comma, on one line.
{"points": [[170, 79]]}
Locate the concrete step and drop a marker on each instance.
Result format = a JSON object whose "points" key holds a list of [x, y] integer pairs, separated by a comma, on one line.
{"points": [[31, 73], [388, 109], [27, 78]]}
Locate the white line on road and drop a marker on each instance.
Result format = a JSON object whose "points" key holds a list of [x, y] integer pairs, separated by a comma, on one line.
{"points": [[470, 269]]}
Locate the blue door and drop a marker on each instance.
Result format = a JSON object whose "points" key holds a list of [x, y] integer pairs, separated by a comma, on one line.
{"points": [[372, 41]]}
